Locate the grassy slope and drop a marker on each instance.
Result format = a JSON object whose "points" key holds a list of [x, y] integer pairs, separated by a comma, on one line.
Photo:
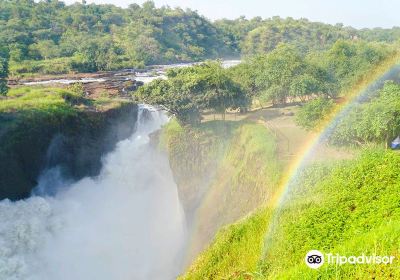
{"points": [[235, 251], [352, 208]]}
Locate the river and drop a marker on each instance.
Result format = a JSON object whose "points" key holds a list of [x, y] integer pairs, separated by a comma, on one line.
{"points": [[154, 72]]}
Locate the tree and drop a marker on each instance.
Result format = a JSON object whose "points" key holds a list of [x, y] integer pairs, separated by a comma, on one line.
{"points": [[244, 75], [278, 71], [44, 49], [175, 98], [4, 56], [303, 86], [189, 91], [139, 35], [221, 92]]}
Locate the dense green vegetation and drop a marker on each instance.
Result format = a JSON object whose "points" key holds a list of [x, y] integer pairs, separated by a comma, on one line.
{"points": [[288, 75], [348, 208], [25, 100], [304, 34], [25, 104], [235, 251], [284, 75], [257, 36], [49, 37], [352, 209], [103, 37], [376, 121], [314, 112]]}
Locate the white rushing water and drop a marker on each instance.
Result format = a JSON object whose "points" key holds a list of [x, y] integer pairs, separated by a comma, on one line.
{"points": [[127, 223]]}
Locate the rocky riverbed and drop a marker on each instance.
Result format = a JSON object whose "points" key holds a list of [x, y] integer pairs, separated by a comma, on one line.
{"points": [[112, 83]]}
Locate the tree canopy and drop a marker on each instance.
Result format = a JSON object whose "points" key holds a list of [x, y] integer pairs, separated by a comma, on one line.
{"points": [[191, 90], [90, 37], [286, 74], [105, 37]]}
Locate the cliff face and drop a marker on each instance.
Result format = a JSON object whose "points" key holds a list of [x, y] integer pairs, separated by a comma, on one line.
{"points": [[224, 171], [74, 142]]}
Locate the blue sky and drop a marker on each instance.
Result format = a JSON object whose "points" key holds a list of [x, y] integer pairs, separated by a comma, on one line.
{"points": [[357, 13]]}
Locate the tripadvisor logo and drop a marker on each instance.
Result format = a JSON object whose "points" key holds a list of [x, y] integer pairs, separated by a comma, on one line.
{"points": [[314, 259]]}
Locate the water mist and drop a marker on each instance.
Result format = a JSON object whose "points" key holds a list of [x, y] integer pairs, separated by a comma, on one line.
{"points": [[127, 223]]}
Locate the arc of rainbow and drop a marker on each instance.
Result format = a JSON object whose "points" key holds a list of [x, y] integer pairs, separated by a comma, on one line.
{"points": [[359, 92]]}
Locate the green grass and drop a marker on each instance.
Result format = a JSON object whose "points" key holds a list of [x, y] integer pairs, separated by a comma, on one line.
{"points": [[35, 105], [348, 208], [43, 99], [234, 252], [348, 211], [36, 98], [27, 109]]}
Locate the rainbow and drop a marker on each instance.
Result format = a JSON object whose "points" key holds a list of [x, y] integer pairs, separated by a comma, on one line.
{"points": [[360, 91], [299, 162]]}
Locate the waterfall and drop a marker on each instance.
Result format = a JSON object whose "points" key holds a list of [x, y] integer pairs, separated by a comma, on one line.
{"points": [[126, 223]]}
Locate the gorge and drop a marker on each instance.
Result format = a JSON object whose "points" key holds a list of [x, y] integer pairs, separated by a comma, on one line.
{"points": [[127, 222]]}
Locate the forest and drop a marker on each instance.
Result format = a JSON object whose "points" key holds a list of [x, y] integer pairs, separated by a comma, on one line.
{"points": [[49, 37]]}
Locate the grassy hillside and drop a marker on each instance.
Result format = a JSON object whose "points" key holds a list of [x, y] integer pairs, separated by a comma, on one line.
{"points": [[351, 210], [235, 251], [348, 208]]}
